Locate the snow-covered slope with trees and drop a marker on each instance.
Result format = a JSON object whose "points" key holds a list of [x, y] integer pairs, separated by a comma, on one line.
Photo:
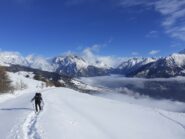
{"points": [[70, 114]]}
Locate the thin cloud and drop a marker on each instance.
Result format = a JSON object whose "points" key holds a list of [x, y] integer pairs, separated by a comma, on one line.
{"points": [[90, 55], [174, 17], [173, 12], [152, 34], [177, 44], [135, 53], [154, 52]]}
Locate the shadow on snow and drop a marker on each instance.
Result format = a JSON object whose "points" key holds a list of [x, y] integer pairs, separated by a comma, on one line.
{"points": [[16, 109]]}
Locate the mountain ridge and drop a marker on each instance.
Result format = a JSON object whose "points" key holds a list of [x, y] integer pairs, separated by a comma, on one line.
{"points": [[76, 66]]}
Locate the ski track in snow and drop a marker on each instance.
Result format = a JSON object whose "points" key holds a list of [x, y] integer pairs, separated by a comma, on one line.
{"points": [[171, 119], [30, 130], [15, 133], [29, 127]]}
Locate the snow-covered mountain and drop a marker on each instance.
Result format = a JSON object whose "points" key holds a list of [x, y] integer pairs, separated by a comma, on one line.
{"points": [[7, 58], [70, 65], [73, 65], [14, 58], [170, 66], [133, 64]]}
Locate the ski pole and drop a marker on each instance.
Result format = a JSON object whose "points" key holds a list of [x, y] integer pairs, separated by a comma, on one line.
{"points": [[33, 105], [42, 104]]}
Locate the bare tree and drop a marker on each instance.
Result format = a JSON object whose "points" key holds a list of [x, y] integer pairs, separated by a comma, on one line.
{"points": [[20, 85], [5, 82]]}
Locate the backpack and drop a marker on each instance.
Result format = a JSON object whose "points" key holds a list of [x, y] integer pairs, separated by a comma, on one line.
{"points": [[38, 97]]}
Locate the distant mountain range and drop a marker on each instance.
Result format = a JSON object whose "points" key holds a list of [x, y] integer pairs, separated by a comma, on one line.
{"points": [[70, 65], [170, 66], [75, 66]]}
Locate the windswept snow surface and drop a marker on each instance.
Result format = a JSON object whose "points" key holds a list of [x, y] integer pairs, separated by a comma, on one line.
{"points": [[69, 114]]}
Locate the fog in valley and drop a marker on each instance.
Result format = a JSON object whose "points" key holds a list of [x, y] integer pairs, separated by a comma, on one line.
{"points": [[165, 93]]}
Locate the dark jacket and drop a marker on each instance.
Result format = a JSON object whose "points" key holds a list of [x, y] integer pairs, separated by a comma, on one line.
{"points": [[37, 98]]}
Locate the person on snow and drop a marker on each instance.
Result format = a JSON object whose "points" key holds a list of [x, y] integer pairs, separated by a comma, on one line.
{"points": [[38, 99]]}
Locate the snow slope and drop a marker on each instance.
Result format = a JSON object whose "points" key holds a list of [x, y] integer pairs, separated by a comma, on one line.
{"points": [[30, 82], [68, 114]]}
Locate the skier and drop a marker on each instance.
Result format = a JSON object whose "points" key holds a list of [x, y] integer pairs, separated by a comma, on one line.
{"points": [[38, 99]]}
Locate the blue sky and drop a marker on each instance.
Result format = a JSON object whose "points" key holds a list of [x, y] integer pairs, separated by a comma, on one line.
{"points": [[116, 27]]}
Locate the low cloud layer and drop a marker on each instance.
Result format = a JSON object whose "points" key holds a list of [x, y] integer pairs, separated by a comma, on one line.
{"points": [[141, 91]]}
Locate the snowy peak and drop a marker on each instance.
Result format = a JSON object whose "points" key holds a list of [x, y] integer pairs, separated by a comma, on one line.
{"points": [[133, 65], [176, 60], [70, 60], [70, 65], [170, 66], [8, 58], [73, 65], [135, 62], [130, 63], [14, 58]]}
